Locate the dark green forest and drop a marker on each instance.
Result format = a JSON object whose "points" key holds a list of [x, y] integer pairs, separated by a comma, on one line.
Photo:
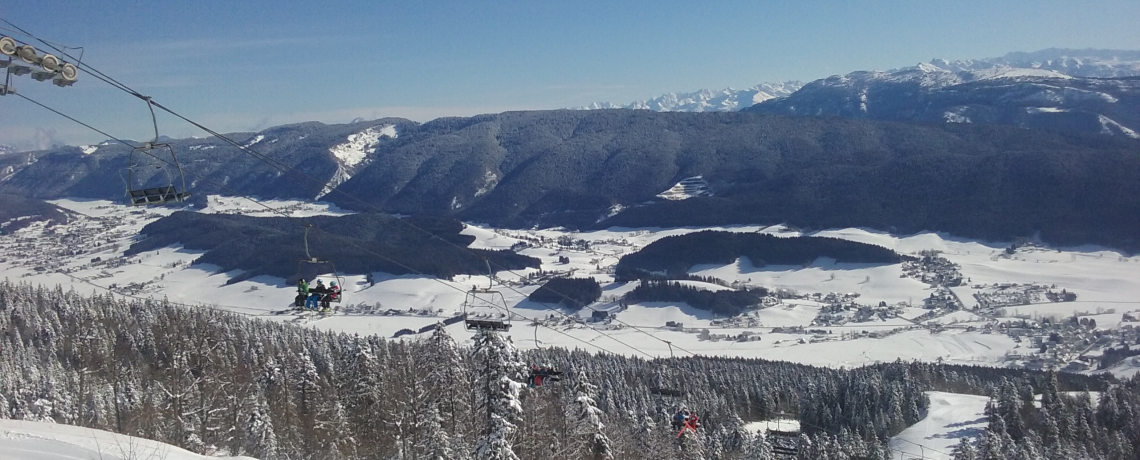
{"points": [[570, 292], [215, 382], [728, 302], [355, 244], [675, 255]]}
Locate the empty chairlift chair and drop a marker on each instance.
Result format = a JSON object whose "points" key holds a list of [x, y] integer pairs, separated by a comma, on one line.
{"points": [[485, 308], [143, 161]]}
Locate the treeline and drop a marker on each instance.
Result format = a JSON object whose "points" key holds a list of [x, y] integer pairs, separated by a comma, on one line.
{"points": [[355, 244], [218, 383], [728, 302], [675, 255], [570, 292]]}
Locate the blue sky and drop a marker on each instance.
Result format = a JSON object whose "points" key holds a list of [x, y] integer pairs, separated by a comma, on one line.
{"points": [[246, 65]]}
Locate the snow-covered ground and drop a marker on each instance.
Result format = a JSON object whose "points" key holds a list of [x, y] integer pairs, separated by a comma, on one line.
{"points": [[1108, 285], [951, 417], [23, 440], [1104, 280]]}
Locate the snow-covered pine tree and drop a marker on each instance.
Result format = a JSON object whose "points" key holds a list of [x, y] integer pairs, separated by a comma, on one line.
{"points": [[964, 450], [586, 420], [690, 446], [757, 448], [445, 363], [496, 360], [260, 440], [436, 444]]}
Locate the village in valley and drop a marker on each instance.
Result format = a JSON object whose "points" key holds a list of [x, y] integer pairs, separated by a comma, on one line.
{"points": [[1050, 325]]}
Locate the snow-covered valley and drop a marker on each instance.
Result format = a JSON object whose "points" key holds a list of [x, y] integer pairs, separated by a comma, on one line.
{"points": [[86, 255], [993, 305]]}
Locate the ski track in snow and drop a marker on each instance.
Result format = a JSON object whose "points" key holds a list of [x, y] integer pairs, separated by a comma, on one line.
{"points": [[951, 417]]}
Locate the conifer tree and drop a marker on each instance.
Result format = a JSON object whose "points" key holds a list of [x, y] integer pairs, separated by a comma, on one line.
{"points": [[260, 440], [497, 361], [586, 420]]}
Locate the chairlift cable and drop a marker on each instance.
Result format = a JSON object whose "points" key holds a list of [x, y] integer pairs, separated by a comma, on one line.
{"points": [[348, 240], [150, 103], [285, 168]]}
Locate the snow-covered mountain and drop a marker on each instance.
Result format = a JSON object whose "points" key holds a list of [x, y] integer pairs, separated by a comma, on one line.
{"points": [[725, 100], [1077, 63], [1094, 92], [6, 149]]}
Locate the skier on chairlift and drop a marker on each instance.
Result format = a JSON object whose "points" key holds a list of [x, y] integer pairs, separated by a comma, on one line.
{"points": [[315, 294], [679, 419], [331, 293], [302, 293], [541, 375], [689, 421]]}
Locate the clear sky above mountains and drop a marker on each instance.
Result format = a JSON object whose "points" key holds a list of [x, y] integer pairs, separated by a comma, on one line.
{"points": [[252, 64]]}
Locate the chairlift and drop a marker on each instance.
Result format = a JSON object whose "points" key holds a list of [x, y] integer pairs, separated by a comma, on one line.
{"points": [[542, 375], [485, 308], [311, 268], [667, 382], [784, 442], [150, 156]]}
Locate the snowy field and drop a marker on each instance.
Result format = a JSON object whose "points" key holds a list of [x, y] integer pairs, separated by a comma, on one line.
{"points": [[22, 440], [1104, 280]]}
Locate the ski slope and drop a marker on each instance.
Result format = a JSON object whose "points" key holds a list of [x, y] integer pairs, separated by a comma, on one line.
{"points": [[950, 418], [24, 440]]}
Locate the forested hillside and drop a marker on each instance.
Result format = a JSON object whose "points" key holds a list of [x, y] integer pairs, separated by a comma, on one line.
{"points": [[728, 302], [598, 168], [675, 255], [215, 382], [27, 210], [356, 244]]}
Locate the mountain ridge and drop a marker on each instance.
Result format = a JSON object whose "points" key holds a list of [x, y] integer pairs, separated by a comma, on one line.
{"points": [[1067, 93], [585, 169], [705, 100]]}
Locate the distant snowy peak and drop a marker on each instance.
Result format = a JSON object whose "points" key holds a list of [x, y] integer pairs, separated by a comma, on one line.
{"points": [[931, 76], [1072, 62], [6, 149], [1053, 89], [725, 100], [1051, 63]]}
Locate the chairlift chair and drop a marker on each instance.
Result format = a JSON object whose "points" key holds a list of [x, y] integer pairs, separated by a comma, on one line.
{"points": [[784, 442], [489, 303], [311, 268], [137, 192], [667, 382]]}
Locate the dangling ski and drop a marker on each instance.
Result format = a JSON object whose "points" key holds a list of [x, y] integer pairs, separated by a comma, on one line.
{"points": [[689, 425]]}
